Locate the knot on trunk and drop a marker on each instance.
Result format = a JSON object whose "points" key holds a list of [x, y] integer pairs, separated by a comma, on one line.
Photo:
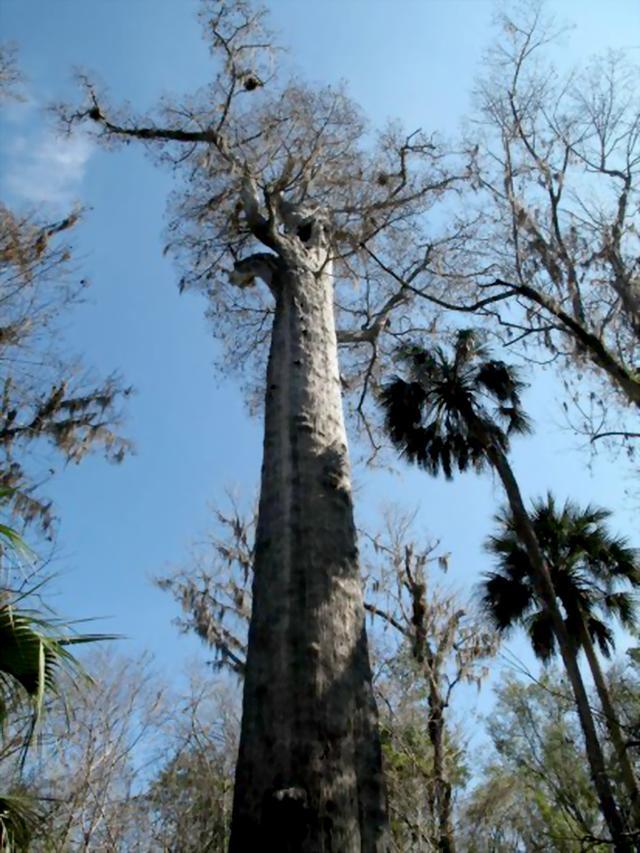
{"points": [[311, 226], [313, 231]]}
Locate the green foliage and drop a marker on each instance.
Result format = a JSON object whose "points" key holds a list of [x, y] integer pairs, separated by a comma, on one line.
{"points": [[451, 404], [535, 792], [34, 656], [409, 765], [18, 817], [33, 653], [591, 570], [191, 800]]}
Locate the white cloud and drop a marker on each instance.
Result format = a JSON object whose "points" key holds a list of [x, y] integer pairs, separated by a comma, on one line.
{"points": [[44, 168]]}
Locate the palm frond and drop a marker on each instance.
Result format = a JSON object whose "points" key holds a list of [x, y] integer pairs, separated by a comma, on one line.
{"points": [[541, 634], [403, 403], [505, 599], [499, 379], [623, 606], [601, 635], [19, 818], [586, 562], [34, 653], [436, 417]]}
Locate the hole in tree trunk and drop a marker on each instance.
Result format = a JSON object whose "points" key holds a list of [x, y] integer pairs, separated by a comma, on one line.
{"points": [[304, 231]]}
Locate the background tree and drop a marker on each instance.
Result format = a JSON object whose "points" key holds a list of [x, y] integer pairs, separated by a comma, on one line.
{"points": [[534, 792], [191, 795], [214, 589], [93, 757], [446, 646], [459, 409], [558, 164], [408, 754], [132, 765], [545, 253], [48, 399]]}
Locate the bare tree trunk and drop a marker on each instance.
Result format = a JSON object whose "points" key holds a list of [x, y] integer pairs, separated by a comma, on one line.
{"points": [[446, 840], [613, 725], [568, 651], [309, 773]]}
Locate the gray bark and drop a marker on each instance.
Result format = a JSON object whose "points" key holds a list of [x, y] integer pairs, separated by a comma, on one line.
{"points": [[309, 775]]}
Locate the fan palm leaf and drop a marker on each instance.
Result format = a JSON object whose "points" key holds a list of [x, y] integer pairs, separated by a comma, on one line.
{"points": [[587, 564], [429, 415], [19, 818], [34, 653]]}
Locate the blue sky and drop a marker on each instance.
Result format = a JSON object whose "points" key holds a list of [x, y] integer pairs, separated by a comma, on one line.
{"points": [[412, 59]]}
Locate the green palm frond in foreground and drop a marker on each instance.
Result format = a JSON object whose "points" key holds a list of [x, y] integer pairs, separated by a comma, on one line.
{"points": [[34, 654], [18, 817]]}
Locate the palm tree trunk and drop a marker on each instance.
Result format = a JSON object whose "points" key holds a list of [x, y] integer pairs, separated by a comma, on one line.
{"points": [[309, 776], [613, 725], [542, 578]]}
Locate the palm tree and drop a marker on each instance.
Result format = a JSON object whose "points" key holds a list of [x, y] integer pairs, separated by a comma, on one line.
{"points": [[588, 567], [461, 410], [33, 657]]}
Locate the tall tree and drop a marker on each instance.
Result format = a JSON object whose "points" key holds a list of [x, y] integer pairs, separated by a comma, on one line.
{"points": [[591, 572], [425, 647], [283, 184], [460, 410]]}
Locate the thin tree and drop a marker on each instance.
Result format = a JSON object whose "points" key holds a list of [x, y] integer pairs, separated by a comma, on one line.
{"points": [[283, 185], [460, 411], [446, 644], [588, 567]]}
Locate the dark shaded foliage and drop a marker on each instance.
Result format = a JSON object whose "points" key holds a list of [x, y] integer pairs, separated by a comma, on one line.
{"points": [[442, 415], [586, 563]]}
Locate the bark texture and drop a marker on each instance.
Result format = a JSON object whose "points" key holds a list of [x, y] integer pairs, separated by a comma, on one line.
{"points": [[443, 792], [309, 773]]}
